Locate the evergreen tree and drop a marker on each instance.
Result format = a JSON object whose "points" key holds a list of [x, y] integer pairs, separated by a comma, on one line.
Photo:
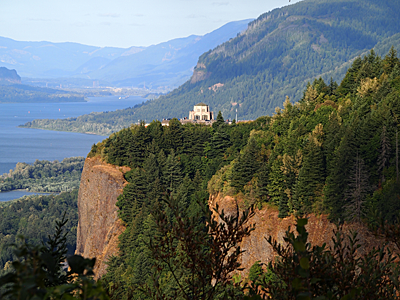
{"points": [[276, 182], [172, 175], [390, 61], [220, 121], [358, 188], [246, 166], [384, 154], [312, 174]]}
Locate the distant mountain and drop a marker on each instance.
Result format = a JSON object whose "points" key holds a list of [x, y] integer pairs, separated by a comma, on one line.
{"points": [[167, 64], [9, 76], [46, 59], [279, 53]]}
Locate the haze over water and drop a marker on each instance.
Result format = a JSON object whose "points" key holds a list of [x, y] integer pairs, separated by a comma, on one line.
{"points": [[27, 145]]}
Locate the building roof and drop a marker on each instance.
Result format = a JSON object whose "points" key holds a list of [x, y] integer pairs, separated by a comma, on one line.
{"points": [[201, 104]]}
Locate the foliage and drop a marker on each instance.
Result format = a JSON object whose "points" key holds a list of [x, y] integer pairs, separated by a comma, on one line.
{"points": [[272, 59], [303, 271], [179, 158], [38, 272], [199, 254], [34, 217], [21, 93], [332, 152], [44, 176]]}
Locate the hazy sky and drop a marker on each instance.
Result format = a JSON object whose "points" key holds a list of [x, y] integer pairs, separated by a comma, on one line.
{"points": [[122, 23]]}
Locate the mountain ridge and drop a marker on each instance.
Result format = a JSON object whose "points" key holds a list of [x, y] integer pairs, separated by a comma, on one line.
{"points": [[166, 65], [278, 52]]}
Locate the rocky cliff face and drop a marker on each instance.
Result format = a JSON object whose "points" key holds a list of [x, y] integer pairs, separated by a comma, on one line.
{"points": [[268, 224], [99, 226], [9, 75]]}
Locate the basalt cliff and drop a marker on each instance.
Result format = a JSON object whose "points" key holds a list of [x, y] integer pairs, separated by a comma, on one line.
{"points": [[267, 224], [99, 226]]}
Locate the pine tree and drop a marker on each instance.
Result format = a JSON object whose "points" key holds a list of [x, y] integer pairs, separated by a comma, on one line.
{"points": [[276, 182], [358, 188], [220, 121], [284, 210], [384, 154], [338, 171], [246, 166], [263, 177], [390, 61], [312, 174], [172, 175]]}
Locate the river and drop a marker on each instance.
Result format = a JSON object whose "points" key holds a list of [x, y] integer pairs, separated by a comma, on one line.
{"points": [[27, 145]]}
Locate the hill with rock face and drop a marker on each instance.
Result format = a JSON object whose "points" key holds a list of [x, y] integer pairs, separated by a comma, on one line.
{"points": [[279, 53], [10, 76]]}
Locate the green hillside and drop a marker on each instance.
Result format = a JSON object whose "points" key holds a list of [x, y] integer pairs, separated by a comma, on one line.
{"points": [[327, 153], [279, 53], [334, 152], [275, 57]]}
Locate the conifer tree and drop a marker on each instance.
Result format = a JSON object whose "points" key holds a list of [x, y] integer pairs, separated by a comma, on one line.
{"points": [[358, 188], [220, 121], [246, 166], [284, 210], [312, 173], [172, 172], [390, 61], [384, 154], [276, 182]]}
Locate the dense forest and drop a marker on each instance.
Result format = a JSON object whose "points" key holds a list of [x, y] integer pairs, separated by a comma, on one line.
{"points": [[35, 217], [44, 176], [333, 152]]}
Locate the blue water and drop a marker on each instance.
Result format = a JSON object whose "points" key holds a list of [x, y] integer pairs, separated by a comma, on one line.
{"points": [[27, 145], [7, 196]]}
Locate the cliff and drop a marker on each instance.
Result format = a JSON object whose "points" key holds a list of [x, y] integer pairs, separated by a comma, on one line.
{"points": [[9, 75], [99, 226], [267, 223]]}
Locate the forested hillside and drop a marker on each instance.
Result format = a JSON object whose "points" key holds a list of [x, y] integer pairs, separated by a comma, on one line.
{"points": [[44, 176], [275, 57], [279, 53], [35, 218], [21, 93], [334, 152]]}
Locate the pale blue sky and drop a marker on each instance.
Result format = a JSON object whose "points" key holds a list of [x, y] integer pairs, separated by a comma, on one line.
{"points": [[122, 23]]}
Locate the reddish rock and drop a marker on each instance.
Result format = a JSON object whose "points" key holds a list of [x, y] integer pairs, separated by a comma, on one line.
{"points": [[319, 228], [99, 226]]}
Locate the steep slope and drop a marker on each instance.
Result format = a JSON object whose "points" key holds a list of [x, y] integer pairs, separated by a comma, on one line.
{"points": [[279, 53], [9, 76], [99, 226], [331, 156], [268, 224]]}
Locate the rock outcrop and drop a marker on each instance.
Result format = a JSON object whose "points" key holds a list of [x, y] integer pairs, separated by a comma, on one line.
{"points": [[200, 73], [256, 247], [9, 75], [99, 226]]}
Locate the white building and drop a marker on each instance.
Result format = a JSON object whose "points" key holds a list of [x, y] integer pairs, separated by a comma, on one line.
{"points": [[201, 112]]}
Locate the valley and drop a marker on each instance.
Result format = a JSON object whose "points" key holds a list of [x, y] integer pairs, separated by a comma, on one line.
{"points": [[258, 161]]}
